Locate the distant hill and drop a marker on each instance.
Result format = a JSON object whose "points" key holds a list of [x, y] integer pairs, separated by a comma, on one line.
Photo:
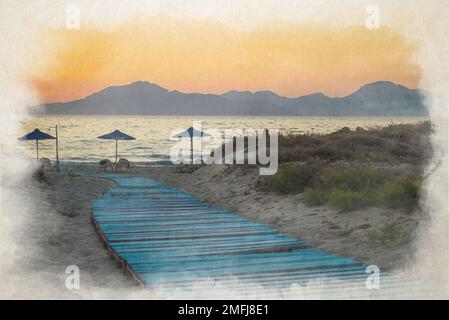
{"points": [[381, 98]]}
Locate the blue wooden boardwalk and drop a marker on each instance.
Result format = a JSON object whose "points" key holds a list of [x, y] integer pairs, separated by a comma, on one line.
{"points": [[172, 241]]}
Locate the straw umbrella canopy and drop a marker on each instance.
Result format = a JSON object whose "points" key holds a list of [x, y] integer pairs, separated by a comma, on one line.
{"points": [[191, 133], [116, 135], [37, 135]]}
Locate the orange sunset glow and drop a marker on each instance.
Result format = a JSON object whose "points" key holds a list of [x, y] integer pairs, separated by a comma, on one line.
{"points": [[209, 57]]}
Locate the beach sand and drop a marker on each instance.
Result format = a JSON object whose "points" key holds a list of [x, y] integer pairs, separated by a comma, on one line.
{"points": [[47, 228]]}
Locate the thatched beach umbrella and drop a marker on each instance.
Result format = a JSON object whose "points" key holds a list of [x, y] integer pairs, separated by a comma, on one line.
{"points": [[191, 133], [116, 135], [37, 135]]}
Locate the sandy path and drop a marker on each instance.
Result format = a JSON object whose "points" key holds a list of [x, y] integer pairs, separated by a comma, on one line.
{"points": [[48, 230]]}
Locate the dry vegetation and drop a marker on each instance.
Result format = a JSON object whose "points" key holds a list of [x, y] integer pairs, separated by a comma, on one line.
{"points": [[403, 143], [349, 170]]}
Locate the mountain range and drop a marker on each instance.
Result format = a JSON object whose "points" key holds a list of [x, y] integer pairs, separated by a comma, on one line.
{"points": [[382, 98]]}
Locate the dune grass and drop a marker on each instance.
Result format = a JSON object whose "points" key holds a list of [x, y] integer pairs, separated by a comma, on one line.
{"points": [[340, 169], [348, 188], [404, 143], [294, 178], [356, 188]]}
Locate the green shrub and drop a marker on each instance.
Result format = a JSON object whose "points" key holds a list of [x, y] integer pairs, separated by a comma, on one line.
{"points": [[296, 153], [314, 197], [347, 200], [361, 140], [402, 192], [331, 153], [361, 187], [403, 150], [353, 179], [326, 153], [294, 178]]}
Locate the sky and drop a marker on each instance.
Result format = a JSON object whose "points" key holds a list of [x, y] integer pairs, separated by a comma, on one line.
{"points": [[290, 47], [211, 57]]}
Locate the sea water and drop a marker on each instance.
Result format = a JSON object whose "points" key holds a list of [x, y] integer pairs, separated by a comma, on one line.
{"points": [[78, 140]]}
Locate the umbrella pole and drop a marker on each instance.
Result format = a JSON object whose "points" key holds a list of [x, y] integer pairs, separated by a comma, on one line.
{"points": [[116, 151], [191, 150], [57, 149], [37, 149]]}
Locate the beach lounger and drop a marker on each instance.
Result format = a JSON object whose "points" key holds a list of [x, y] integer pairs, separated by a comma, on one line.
{"points": [[123, 163], [44, 164], [105, 164]]}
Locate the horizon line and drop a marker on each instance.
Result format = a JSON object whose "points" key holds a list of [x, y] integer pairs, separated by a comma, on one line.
{"points": [[222, 94]]}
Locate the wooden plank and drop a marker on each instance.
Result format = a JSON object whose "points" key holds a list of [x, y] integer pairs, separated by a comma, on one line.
{"points": [[166, 239]]}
